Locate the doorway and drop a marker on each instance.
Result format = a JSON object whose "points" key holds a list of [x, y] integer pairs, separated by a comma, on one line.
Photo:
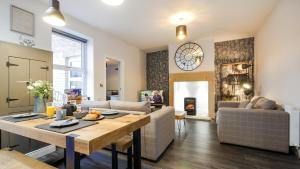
{"points": [[113, 79]]}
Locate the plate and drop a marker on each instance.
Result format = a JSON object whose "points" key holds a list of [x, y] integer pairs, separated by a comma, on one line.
{"points": [[99, 118], [109, 113], [24, 115], [64, 123]]}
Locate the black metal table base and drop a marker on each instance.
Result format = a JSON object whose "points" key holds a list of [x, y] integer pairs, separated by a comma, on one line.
{"points": [[129, 158], [72, 157], [114, 156], [137, 149]]}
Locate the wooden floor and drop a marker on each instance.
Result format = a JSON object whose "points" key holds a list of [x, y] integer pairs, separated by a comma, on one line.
{"points": [[198, 148]]}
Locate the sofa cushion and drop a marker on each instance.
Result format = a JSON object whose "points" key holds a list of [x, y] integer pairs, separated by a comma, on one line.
{"points": [[264, 103], [131, 106], [249, 106], [279, 107], [243, 104], [95, 104]]}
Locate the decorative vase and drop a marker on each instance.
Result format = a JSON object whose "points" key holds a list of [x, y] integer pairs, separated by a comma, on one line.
{"points": [[39, 105]]}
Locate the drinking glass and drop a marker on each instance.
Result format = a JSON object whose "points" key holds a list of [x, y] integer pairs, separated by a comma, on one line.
{"points": [[50, 110]]}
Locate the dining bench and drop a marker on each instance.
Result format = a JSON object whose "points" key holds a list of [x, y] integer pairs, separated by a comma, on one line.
{"points": [[11, 159]]}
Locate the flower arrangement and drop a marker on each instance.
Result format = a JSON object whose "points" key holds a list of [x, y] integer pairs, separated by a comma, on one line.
{"points": [[40, 88]]}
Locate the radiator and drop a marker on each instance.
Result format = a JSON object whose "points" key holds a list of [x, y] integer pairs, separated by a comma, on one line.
{"points": [[294, 125]]}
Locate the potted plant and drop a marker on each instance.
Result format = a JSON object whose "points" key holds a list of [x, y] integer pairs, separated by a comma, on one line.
{"points": [[41, 90]]}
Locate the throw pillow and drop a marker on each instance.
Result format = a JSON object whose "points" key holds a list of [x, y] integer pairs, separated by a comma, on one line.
{"points": [[249, 106], [264, 103], [243, 104], [255, 99]]}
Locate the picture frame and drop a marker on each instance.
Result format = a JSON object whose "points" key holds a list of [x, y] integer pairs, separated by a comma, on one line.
{"points": [[22, 21]]}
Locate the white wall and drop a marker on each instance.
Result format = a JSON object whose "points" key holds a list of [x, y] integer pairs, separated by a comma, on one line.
{"points": [[100, 45], [277, 46]]}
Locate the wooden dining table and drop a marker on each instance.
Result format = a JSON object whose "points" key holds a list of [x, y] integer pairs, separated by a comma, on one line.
{"points": [[85, 140]]}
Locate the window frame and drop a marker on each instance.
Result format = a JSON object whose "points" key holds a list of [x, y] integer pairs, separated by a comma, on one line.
{"points": [[83, 68]]}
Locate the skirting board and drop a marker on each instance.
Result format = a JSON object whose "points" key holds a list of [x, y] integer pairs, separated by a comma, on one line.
{"points": [[42, 152]]}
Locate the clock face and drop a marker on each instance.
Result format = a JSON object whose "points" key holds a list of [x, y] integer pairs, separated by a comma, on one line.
{"points": [[189, 56]]}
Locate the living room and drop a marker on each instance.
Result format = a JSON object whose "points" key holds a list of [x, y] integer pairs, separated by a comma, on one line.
{"points": [[149, 84]]}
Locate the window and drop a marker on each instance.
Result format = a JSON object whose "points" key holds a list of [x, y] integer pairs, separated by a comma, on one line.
{"points": [[69, 56]]}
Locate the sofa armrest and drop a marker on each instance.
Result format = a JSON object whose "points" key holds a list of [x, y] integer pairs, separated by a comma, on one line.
{"points": [[232, 104], [159, 133]]}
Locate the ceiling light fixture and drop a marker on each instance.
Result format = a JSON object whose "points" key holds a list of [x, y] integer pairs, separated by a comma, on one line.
{"points": [[181, 18], [113, 2], [53, 16], [181, 32]]}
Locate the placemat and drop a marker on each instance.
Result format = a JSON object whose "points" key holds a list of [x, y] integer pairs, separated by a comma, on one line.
{"points": [[11, 119], [115, 116], [64, 130]]}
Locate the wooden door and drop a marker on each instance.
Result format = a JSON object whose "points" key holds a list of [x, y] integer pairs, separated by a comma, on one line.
{"points": [[18, 75], [38, 71]]}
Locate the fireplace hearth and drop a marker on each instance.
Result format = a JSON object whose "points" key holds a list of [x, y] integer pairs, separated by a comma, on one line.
{"points": [[190, 105]]}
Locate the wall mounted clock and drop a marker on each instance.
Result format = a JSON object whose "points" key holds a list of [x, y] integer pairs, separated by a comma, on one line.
{"points": [[189, 56]]}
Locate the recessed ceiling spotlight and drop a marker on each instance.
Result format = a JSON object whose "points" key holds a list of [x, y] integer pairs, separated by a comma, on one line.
{"points": [[182, 18], [113, 2]]}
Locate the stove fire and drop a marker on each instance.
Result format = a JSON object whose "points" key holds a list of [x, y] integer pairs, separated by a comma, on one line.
{"points": [[190, 105]]}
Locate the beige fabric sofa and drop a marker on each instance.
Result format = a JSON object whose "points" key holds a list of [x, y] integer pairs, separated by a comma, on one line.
{"points": [[156, 136], [258, 128]]}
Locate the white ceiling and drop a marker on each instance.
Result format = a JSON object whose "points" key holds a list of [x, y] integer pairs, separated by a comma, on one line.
{"points": [[146, 23]]}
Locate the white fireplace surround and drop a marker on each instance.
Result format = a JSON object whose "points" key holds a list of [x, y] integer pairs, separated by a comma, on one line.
{"points": [[196, 89]]}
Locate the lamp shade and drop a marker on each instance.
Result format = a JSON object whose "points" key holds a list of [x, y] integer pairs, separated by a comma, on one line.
{"points": [[181, 32], [53, 16]]}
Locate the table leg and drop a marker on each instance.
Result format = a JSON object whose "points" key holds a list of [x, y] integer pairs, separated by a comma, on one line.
{"points": [[179, 125], [137, 149], [72, 157], [129, 158], [65, 157], [0, 139], [114, 156]]}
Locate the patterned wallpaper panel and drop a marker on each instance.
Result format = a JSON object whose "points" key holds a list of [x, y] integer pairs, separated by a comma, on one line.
{"points": [[233, 51], [158, 72]]}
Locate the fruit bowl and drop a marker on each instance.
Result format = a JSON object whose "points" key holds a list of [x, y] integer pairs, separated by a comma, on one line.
{"points": [[80, 114]]}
